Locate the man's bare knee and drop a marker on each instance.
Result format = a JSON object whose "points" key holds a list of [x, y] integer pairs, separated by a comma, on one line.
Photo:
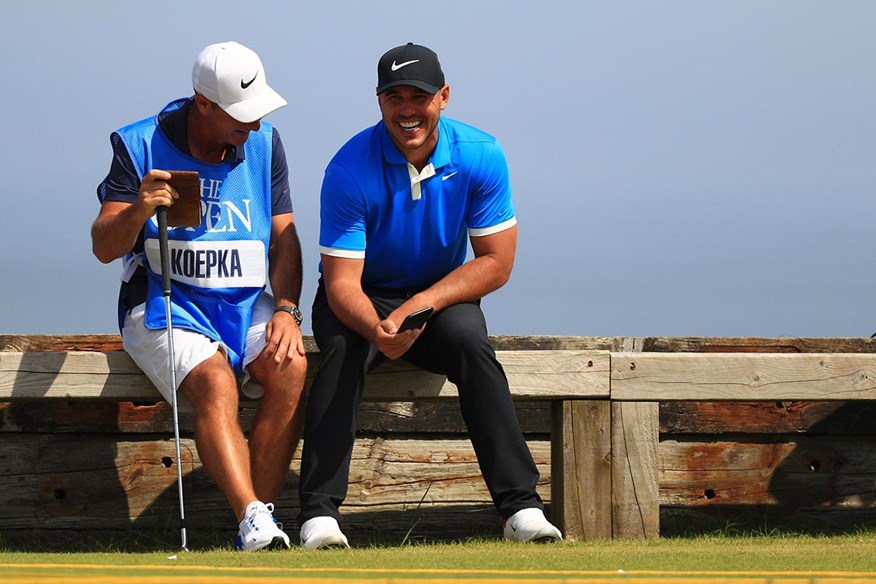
{"points": [[288, 375], [211, 383]]}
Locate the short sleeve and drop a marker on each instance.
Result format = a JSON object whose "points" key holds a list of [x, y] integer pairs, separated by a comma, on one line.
{"points": [[281, 198], [342, 215], [122, 183], [492, 209]]}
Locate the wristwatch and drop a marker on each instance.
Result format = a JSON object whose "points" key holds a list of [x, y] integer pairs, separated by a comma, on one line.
{"points": [[293, 310]]}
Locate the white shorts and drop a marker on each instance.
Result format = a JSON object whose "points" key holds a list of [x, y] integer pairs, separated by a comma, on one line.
{"points": [[149, 350]]}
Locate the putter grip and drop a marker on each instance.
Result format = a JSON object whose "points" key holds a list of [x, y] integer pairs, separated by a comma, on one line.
{"points": [[162, 250]]}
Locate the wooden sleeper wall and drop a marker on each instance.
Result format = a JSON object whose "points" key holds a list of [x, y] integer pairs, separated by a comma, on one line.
{"points": [[788, 465]]}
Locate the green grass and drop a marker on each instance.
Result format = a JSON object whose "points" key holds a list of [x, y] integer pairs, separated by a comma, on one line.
{"points": [[720, 552]]}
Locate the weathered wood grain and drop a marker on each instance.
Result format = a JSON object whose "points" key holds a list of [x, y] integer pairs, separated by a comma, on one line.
{"points": [[635, 492], [742, 376], [676, 418], [716, 458], [853, 418], [103, 342], [790, 472], [25, 343], [533, 375], [758, 345], [156, 418], [99, 482], [47, 481], [114, 376], [581, 469]]}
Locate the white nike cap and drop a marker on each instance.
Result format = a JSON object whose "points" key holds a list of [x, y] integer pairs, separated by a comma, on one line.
{"points": [[231, 76]]}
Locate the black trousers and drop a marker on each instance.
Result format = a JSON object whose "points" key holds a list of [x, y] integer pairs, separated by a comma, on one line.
{"points": [[455, 344]]}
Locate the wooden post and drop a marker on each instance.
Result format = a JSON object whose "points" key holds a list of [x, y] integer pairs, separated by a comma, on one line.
{"points": [[635, 491], [635, 433], [581, 469]]}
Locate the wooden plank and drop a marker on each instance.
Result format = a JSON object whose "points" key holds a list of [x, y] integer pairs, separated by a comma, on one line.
{"points": [[25, 343], [742, 376], [103, 342], [635, 508], [101, 482], [839, 418], [531, 375], [758, 345], [425, 417], [581, 469], [73, 375], [114, 376], [52, 416], [635, 492], [790, 472]]}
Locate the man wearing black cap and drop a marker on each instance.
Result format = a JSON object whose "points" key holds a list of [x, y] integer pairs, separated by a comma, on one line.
{"points": [[399, 202]]}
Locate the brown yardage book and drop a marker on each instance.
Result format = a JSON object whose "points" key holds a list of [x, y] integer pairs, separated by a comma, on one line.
{"points": [[186, 210]]}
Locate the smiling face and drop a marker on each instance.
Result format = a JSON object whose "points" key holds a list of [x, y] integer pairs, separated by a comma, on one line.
{"points": [[411, 117]]}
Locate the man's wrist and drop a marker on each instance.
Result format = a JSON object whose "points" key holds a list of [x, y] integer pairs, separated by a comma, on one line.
{"points": [[291, 310]]}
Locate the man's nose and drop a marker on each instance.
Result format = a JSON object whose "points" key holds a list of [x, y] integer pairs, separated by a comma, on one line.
{"points": [[407, 107]]}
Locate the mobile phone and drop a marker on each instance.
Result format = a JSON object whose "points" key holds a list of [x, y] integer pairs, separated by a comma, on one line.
{"points": [[186, 210], [416, 319]]}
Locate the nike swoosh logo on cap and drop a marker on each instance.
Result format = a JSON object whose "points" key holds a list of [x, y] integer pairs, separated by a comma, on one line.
{"points": [[400, 65], [245, 84]]}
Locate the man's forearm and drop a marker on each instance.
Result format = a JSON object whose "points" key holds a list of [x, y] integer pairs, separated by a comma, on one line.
{"points": [[353, 308], [115, 231], [471, 281], [285, 266]]}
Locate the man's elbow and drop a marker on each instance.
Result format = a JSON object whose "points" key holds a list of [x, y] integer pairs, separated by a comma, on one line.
{"points": [[101, 250], [501, 276], [101, 255], [503, 279]]}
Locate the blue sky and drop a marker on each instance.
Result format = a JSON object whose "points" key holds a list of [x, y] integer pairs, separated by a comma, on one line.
{"points": [[679, 167]]}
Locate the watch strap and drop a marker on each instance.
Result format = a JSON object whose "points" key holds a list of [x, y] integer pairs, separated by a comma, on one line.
{"points": [[293, 310]]}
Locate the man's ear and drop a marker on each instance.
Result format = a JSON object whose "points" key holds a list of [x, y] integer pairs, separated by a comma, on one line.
{"points": [[444, 94], [202, 103]]}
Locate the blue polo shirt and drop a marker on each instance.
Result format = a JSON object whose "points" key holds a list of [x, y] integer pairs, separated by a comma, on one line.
{"points": [[412, 228]]}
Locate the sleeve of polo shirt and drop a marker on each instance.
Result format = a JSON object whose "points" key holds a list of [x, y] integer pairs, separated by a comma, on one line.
{"points": [[342, 215], [122, 183], [281, 199], [491, 209]]}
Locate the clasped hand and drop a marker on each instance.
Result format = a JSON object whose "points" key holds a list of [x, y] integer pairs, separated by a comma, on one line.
{"points": [[394, 344]]}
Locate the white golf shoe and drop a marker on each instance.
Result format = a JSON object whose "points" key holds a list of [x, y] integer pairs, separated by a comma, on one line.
{"points": [[530, 525], [260, 530], [321, 533]]}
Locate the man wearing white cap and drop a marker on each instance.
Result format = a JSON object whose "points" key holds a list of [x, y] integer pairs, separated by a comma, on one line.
{"points": [[228, 331]]}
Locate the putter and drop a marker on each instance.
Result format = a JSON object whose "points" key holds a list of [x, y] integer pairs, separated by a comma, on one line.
{"points": [[165, 282]]}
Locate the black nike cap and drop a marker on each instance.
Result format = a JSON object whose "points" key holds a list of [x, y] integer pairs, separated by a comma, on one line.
{"points": [[412, 65]]}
